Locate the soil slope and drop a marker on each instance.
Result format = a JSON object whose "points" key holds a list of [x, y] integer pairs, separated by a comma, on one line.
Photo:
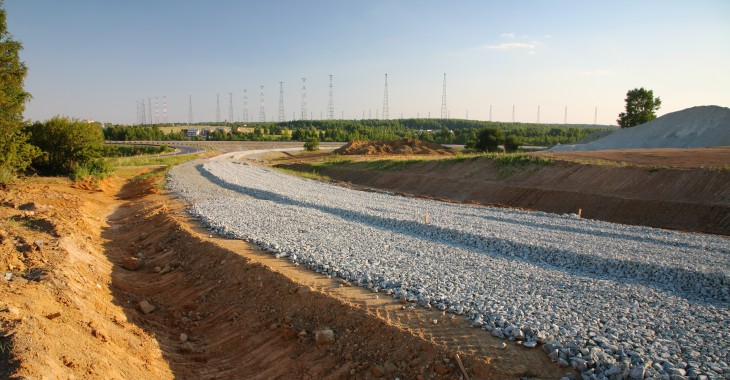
{"points": [[391, 147], [123, 285], [680, 195]]}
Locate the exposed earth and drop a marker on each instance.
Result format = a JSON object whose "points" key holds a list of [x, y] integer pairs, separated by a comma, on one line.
{"points": [[394, 147], [682, 189], [116, 281]]}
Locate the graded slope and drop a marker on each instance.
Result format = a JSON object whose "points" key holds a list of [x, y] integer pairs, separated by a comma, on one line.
{"points": [[696, 127]]}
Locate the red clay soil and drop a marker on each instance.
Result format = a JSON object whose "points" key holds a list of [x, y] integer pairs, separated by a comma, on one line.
{"points": [[128, 287], [682, 199], [394, 147], [693, 158]]}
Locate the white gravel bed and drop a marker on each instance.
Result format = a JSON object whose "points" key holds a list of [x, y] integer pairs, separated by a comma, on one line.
{"points": [[609, 299]]}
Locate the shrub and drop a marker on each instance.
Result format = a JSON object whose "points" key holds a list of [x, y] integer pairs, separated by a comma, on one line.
{"points": [[511, 143], [311, 145], [489, 139], [68, 145]]}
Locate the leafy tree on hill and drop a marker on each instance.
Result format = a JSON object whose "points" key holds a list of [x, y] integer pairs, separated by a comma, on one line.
{"points": [[68, 145], [641, 107], [489, 139], [15, 153]]}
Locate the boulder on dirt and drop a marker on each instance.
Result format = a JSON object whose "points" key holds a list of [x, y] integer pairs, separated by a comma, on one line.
{"points": [[132, 263], [385, 147], [146, 307], [696, 127], [324, 336]]}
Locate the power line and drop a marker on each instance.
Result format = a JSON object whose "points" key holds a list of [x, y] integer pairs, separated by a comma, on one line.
{"points": [[331, 104], [304, 99], [262, 107], [190, 109], [245, 107], [281, 102], [444, 113], [386, 109], [230, 107]]}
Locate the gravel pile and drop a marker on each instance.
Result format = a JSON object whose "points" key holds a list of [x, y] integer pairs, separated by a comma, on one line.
{"points": [[696, 127], [611, 300]]}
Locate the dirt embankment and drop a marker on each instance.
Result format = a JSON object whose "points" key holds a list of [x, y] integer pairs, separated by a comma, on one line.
{"points": [[108, 284], [394, 147], [685, 198]]}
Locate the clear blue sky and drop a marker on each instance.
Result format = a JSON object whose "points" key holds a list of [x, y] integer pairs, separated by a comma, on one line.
{"points": [[95, 59]]}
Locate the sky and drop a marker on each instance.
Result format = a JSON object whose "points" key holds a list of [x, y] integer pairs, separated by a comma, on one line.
{"points": [[98, 59]]}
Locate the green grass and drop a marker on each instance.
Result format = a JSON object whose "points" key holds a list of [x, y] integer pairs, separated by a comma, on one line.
{"points": [[309, 175], [150, 160]]}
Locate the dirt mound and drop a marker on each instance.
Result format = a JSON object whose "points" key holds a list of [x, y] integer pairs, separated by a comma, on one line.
{"points": [[394, 147], [696, 127]]}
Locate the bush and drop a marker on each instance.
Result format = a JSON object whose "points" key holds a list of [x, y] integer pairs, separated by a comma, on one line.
{"points": [[511, 143], [98, 169], [489, 139], [68, 145], [311, 145]]}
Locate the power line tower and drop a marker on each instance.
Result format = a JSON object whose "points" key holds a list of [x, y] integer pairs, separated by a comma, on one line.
{"points": [[149, 110], [262, 107], [245, 106], [444, 113], [217, 108], [595, 116], [157, 111], [386, 109], [513, 114], [304, 99], [230, 107], [143, 112], [281, 102], [190, 109], [331, 104], [538, 114], [565, 118], [164, 109], [490, 112]]}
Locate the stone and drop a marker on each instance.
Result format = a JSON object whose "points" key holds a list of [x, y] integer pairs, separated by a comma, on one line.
{"points": [[324, 336], [498, 333], [146, 307], [377, 371], [637, 372], [183, 337], [530, 344], [132, 263]]}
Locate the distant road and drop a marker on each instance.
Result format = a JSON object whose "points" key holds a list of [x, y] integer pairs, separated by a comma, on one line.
{"points": [[181, 147]]}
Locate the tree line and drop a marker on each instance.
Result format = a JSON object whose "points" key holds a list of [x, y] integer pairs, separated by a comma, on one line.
{"points": [[443, 131]]}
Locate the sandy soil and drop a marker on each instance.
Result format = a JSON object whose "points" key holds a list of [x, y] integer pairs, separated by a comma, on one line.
{"points": [[666, 188], [119, 283]]}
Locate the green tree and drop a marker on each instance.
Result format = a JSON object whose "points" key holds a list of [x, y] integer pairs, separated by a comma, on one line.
{"points": [[641, 107], [511, 143], [67, 145], [15, 153], [312, 144], [489, 139]]}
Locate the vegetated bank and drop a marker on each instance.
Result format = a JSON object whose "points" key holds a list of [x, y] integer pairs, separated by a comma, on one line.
{"points": [[655, 194]]}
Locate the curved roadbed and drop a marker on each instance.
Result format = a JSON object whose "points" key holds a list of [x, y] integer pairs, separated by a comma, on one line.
{"points": [[609, 299]]}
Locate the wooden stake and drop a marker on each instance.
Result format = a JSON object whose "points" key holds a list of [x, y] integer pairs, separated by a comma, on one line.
{"points": [[461, 367], [580, 212], [426, 218]]}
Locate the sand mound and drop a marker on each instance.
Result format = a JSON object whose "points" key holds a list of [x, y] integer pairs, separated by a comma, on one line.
{"points": [[404, 146], [696, 127]]}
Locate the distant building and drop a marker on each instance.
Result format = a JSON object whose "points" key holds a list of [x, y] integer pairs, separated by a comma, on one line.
{"points": [[192, 132]]}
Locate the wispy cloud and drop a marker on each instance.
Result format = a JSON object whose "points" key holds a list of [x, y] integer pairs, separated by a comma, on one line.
{"points": [[512, 45], [511, 41]]}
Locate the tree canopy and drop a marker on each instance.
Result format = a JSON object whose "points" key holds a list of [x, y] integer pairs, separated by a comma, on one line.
{"points": [[67, 144], [641, 107], [15, 153]]}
